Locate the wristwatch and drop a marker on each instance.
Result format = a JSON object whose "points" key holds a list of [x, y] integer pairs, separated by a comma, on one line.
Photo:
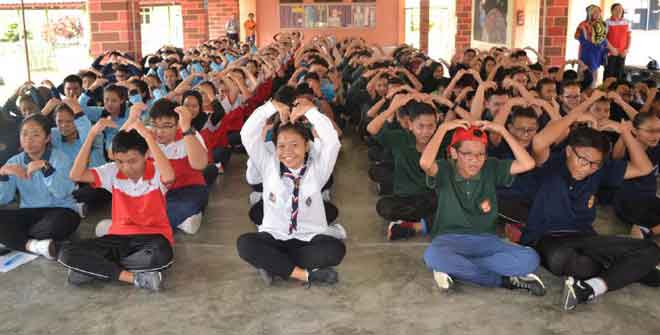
{"points": [[190, 131]]}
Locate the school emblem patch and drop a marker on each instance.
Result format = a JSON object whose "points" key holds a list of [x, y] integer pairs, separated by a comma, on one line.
{"points": [[591, 202], [271, 197], [485, 206], [308, 202]]}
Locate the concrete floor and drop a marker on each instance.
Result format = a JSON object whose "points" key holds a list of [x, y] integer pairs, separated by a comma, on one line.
{"points": [[384, 287]]}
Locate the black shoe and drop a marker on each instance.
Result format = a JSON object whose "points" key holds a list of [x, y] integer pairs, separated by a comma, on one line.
{"points": [[575, 292], [530, 282], [76, 278], [399, 230], [327, 276]]}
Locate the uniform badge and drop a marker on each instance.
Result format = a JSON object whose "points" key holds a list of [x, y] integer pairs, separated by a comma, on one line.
{"points": [[271, 197], [308, 202], [591, 202], [485, 206]]}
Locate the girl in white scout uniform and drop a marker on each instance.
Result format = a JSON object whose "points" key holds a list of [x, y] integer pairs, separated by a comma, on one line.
{"points": [[291, 242]]}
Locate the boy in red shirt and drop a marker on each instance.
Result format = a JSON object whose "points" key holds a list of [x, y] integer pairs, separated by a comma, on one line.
{"points": [[183, 146], [138, 245]]}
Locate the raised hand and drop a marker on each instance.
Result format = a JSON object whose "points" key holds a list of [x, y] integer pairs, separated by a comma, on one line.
{"points": [[101, 125], [185, 117], [35, 166], [13, 170]]}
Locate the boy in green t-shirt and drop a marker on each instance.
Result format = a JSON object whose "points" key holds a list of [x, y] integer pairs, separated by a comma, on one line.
{"points": [[412, 206], [464, 244]]}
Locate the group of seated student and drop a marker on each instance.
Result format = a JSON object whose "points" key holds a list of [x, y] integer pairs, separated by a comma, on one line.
{"points": [[503, 145], [444, 157]]}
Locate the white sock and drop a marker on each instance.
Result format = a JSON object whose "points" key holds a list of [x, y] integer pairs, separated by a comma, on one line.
{"points": [[598, 285]]}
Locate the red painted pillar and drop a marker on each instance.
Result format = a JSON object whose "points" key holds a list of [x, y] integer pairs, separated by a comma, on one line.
{"points": [[463, 24], [195, 22], [115, 24], [424, 25], [219, 12], [552, 39]]}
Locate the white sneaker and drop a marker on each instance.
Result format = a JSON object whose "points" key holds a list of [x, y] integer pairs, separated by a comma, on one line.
{"points": [[336, 230], [81, 208], [41, 248], [191, 224], [443, 280], [103, 227], [254, 198], [326, 195]]}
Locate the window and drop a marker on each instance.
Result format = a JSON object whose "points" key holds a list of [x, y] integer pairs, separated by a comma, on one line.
{"points": [[145, 15]]}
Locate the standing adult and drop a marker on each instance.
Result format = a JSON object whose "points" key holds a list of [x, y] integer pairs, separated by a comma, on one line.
{"points": [[618, 37], [232, 29], [250, 30]]}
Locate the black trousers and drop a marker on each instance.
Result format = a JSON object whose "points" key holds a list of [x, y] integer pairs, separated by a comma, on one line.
{"points": [[615, 67], [106, 257], [263, 251], [408, 208], [643, 212], [383, 175], [257, 212], [92, 197], [619, 261], [17, 226]]}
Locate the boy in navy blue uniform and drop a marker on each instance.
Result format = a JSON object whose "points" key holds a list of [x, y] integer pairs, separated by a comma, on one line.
{"points": [[560, 220]]}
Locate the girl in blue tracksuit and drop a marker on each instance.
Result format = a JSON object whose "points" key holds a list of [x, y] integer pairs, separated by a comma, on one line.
{"points": [[40, 175]]}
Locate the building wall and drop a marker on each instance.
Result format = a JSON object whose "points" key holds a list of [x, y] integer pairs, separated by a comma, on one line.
{"points": [[388, 30]]}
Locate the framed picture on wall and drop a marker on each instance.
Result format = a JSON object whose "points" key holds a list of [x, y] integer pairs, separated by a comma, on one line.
{"points": [[491, 22], [327, 14]]}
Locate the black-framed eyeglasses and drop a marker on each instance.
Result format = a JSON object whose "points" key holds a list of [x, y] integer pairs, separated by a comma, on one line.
{"points": [[478, 156], [525, 131], [583, 161], [651, 131]]}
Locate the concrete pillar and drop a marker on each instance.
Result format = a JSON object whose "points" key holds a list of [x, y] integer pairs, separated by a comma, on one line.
{"points": [[115, 24], [195, 22], [219, 11], [463, 24], [424, 13], [552, 38]]}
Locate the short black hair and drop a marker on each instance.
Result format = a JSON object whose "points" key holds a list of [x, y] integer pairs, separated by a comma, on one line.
{"points": [[63, 108], [125, 141], [41, 120], [493, 92], [121, 91], [416, 109], [544, 82], [74, 79], [519, 111], [641, 118], [88, 74], [196, 95], [163, 108], [299, 127], [285, 95], [587, 137]]}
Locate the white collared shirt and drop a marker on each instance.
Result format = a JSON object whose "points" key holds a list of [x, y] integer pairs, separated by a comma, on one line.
{"points": [[278, 190]]}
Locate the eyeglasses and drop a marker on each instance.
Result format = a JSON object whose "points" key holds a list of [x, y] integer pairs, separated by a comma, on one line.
{"points": [[651, 131], [472, 156], [525, 131], [571, 97], [167, 126], [583, 161]]}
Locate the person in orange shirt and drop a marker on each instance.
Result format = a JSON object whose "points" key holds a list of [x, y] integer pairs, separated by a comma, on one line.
{"points": [[250, 30]]}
